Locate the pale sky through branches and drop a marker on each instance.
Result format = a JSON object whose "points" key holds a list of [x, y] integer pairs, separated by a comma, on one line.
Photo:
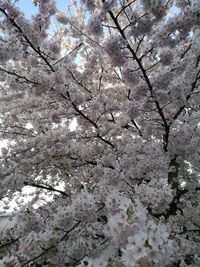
{"points": [[29, 9]]}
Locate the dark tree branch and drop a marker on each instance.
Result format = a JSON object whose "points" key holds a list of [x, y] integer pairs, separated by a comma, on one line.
{"points": [[146, 78], [51, 247], [46, 187], [194, 84], [124, 7], [37, 50], [17, 75]]}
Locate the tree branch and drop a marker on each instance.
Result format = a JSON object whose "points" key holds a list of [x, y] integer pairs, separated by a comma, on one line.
{"points": [[12, 21], [46, 187], [146, 78]]}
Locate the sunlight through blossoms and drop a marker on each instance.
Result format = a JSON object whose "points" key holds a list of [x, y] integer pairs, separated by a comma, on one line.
{"points": [[100, 133]]}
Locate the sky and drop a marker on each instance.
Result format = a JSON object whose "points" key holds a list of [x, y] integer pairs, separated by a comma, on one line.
{"points": [[29, 9]]}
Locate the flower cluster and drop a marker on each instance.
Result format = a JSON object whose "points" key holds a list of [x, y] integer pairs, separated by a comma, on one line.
{"points": [[155, 6], [94, 26], [90, 4], [113, 48], [100, 132], [159, 195]]}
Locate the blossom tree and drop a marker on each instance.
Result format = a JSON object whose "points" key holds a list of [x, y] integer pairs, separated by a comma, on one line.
{"points": [[101, 117]]}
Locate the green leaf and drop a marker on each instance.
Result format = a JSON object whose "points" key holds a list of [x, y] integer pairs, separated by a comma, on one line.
{"points": [[129, 213], [8, 264]]}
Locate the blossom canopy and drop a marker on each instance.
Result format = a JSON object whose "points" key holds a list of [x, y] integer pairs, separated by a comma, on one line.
{"points": [[100, 115]]}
